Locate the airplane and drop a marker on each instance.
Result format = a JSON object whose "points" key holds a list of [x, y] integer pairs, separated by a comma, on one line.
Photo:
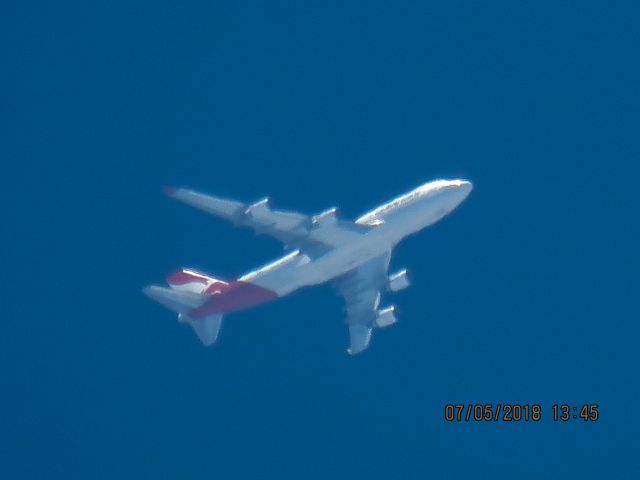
{"points": [[353, 255]]}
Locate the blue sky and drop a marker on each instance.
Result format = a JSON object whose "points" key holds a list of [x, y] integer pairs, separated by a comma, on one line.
{"points": [[526, 294]]}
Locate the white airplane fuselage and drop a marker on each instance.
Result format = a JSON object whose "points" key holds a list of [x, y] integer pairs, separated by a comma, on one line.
{"points": [[354, 256], [395, 220]]}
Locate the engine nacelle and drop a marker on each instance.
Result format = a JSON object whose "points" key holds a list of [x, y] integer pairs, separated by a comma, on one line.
{"points": [[328, 217], [399, 281], [258, 209], [386, 317]]}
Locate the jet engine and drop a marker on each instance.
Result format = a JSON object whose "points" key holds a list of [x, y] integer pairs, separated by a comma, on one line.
{"points": [[328, 217], [399, 281], [258, 209], [386, 317]]}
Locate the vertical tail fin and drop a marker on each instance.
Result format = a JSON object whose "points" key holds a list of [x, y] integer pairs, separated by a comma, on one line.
{"points": [[189, 280]]}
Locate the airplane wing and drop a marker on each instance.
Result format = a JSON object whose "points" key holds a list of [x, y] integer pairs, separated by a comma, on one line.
{"points": [[314, 235], [360, 289]]}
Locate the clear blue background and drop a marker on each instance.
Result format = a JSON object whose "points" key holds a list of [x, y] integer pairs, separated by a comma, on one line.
{"points": [[528, 293]]}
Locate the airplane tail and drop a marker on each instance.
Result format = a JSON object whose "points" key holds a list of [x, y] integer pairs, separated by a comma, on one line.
{"points": [[189, 280], [186, 292], [206, 328]]}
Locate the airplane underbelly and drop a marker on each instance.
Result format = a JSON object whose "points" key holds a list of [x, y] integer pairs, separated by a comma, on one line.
{"points": [[304, 272], [341, 261]]}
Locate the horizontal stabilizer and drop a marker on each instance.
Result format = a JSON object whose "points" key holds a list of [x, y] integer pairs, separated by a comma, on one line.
{"points": [[175, 300], [206, 328]]}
